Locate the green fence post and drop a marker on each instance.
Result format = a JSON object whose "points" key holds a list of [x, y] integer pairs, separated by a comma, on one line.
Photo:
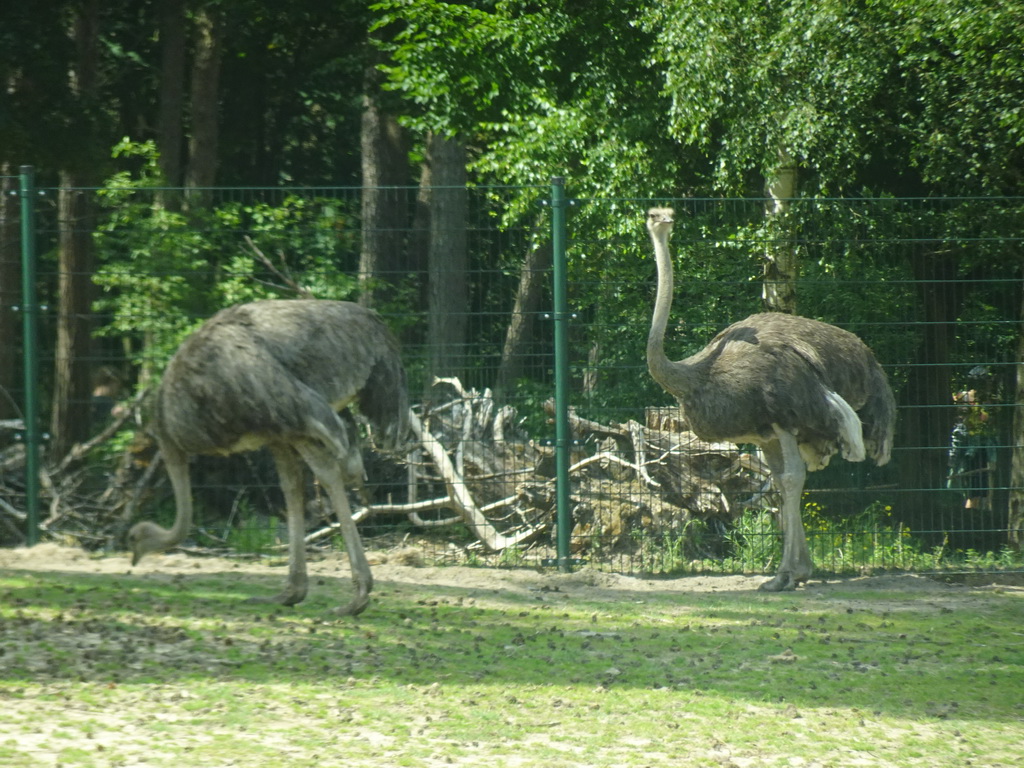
{"points": [[563, 437], [29, 314]]}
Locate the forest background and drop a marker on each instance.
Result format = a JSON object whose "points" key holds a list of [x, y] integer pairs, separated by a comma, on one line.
{"points": [[144, 119]]}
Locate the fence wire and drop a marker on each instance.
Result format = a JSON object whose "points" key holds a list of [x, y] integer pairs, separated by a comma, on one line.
{"points": [[933, 286]]}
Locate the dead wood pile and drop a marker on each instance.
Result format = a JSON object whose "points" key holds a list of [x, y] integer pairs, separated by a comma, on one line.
{"points": [[472, 465], [653, 480], [627, 480]]}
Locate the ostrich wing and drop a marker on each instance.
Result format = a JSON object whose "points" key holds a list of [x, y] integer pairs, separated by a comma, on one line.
{"points": [[257, 372], [781, 369]]}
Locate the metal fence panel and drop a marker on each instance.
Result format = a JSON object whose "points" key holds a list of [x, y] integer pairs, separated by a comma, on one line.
{"points": [[933, 286]]}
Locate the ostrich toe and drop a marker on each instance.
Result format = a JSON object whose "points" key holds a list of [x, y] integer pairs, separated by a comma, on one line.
{"points": [[288, 596], [356, 606], [784, 581]]}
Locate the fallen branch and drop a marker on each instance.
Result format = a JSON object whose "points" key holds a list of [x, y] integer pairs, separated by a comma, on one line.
{"points": [[411, 510], [80, 450], [459, 499], [286, 279], [16, 514], [462, 501]]}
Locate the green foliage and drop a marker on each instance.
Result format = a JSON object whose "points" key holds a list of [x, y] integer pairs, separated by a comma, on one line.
{"points": [[149, 259], [548, 90], [961, 65], [253, 534], [511, 557], [748, 80], [673, 552], [756, 544], [873, 540], [530, 396], [300, 243], [163, 270], [901, 96], [866, 541], [906, 97], [447, 57]]}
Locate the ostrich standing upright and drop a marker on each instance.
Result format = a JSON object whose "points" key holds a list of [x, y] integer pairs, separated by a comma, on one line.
{"points": [[800, 389], [281, 374]]}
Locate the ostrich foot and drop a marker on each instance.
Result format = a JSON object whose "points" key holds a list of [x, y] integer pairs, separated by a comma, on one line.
{"points": [[356, 606], [288, 596], [784, 581]]}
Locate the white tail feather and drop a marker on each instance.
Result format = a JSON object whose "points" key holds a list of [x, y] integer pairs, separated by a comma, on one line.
{"points": [[851, 436]]}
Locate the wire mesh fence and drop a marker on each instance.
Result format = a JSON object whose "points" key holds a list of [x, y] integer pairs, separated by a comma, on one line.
{"points": [[934, 287]]}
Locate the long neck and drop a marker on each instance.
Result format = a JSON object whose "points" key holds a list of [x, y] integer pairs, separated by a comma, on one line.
{"points": [[664, 371], [177, 470]]}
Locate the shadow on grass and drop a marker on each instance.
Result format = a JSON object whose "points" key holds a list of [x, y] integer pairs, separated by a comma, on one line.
{"points": [[881, 651]]}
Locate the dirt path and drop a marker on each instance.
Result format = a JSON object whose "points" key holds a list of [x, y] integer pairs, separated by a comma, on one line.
{"points": [[585, 583]]}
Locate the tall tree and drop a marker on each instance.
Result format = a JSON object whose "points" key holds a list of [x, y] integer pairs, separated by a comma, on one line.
{"points": [[533, 274], [173, 60], [69, 417], [911, 97], [448, 257], [10, 291], [538, 90], [781, 257], [1016, 484], [201, 169], [386, 210]]}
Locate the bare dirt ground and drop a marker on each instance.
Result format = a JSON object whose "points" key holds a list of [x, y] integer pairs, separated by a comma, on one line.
{"points": [[401, 566]]}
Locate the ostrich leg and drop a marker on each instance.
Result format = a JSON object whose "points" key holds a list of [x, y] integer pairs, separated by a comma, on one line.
{"points": [[289, 472], [789, 471], [147, 537], [326, 467]]}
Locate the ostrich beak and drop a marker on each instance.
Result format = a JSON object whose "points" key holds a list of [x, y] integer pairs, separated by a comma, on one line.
{"points": [[661, 216]]}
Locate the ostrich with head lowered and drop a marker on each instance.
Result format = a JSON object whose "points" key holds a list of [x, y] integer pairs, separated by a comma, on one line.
{"points": [[281, 374], [799, 389]]}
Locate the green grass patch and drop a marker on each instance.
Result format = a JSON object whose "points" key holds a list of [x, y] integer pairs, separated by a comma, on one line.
{"points": [[170, 671], [869, 542]]}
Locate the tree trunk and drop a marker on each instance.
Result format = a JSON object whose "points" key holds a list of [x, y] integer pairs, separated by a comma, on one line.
{"points": [[170, 130], [385, 211], [418, 243], [532, 280], [202, 146], [927, 421], [10, 292], [1016, 494], [782, 259], [448, 308], [70, 416], [70, 413]]}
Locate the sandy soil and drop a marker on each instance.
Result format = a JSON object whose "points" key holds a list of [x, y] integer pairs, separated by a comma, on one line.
{"points": [[402, 566]]}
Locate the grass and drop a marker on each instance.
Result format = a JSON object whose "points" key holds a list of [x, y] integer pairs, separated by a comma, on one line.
{"points": [[865, 543], [103, 670]]}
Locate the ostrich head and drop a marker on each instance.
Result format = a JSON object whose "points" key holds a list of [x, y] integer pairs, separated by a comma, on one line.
{"points": [[146, 537], [659, 222]]}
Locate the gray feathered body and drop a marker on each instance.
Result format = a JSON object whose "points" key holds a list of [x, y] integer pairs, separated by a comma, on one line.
{"points": [[268, 371], [777, 368], [771, 370], [800, 389]]}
